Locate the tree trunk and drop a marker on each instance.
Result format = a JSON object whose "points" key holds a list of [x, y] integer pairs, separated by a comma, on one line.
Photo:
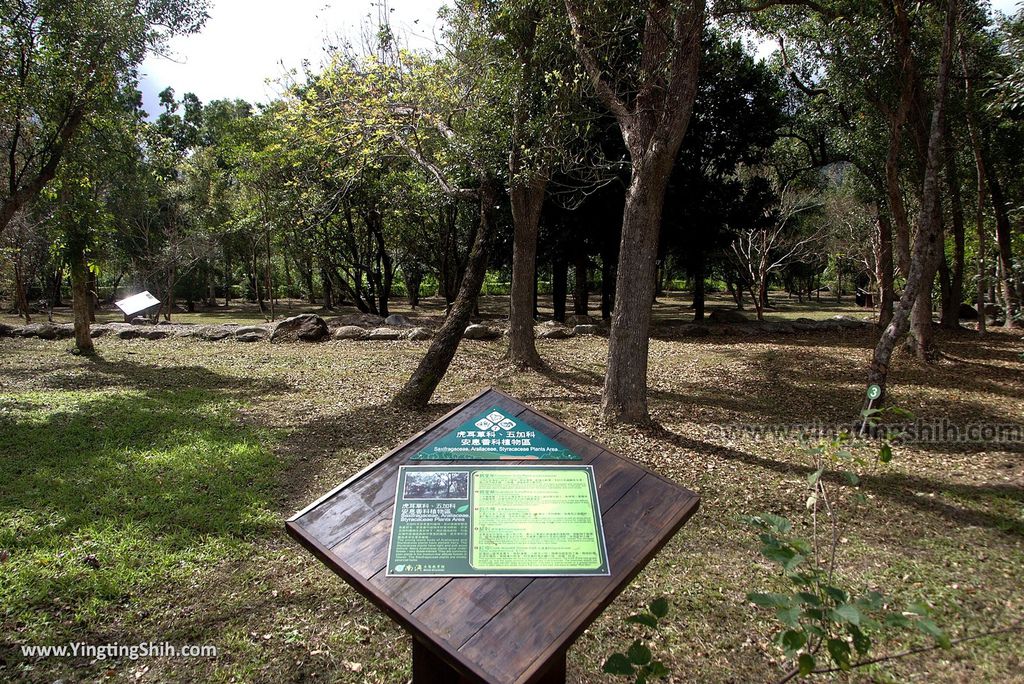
{"points": [[884, 265], [527, 198], [559, 286], [227, 278], [412, 276], [608, 277], [951, 303], [922, 334], [20, 290], [698, 286], [625, 384], [428, 374], [80, 300], [1003, 242], [328, 287], [927, 240], [580, 292], [270, 279], [653, 126]]}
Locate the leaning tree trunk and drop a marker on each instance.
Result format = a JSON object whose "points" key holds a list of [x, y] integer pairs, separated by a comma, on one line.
{"points": [[926, 244], [418, 390], [80, 300], [527, 198]]}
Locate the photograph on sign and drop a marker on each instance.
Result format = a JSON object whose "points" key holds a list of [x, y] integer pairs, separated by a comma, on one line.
{"points": [[137, 303], [463, 521], [494, 436]]}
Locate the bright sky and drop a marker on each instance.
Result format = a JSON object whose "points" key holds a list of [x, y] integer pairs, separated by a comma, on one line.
{"points": [[245, 42]]}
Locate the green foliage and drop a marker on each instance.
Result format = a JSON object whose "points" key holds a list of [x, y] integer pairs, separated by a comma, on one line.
{"points": [[825, 624], [638, 661]]}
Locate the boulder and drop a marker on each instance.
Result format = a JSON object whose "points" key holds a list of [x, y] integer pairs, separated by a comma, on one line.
{"points": [[363, 320], [417, 334], [6, 330], [257, 332], [104, 329], [213, 333], [349, 332], [478, 331], [398, 321], [129, 333], [582, 319], [46, 331], [968, 312], [720, 316], [586, 329], [383, 334], [155, 334], [847, 322], [553, 333], [304, 328], [141, 320]]}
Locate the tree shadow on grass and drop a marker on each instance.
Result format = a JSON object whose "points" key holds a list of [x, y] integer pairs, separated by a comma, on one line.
{"points": [[335, 445], [900, 488]]}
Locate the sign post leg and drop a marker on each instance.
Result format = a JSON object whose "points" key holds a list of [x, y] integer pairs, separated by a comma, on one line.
{"points": [[428, 668]]}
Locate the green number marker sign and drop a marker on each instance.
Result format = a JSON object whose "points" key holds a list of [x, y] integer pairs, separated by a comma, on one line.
{"points": [[493, 436], [459, 521], [874, 391]]}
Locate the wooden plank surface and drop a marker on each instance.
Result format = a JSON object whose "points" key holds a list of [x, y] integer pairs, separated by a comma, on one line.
{"points": [[500, 629]]}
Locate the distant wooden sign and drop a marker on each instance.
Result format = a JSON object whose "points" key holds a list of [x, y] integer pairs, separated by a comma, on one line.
{"points": [[136, 303], [500, 630]]}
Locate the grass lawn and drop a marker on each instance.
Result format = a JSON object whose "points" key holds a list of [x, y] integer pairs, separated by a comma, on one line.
{"points": [[143, 496]]}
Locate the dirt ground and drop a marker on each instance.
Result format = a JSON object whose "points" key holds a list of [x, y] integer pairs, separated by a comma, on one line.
{"points": [[944, 522]]}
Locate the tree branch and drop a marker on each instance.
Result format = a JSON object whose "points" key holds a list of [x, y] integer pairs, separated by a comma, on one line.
{"points": [[605, 90]]}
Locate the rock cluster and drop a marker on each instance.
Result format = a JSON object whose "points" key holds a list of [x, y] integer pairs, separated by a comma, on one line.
{"points": [[366, 327]]}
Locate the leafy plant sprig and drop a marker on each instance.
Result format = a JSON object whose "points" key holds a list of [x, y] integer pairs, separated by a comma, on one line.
{"points": [[638, 661], [826, 626]]}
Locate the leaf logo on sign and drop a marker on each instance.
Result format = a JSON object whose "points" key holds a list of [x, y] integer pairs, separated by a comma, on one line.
{"points": [[495, 419]]}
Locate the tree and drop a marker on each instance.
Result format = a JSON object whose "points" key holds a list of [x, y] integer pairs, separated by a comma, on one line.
{"points": [[773, 243], [737, 117], [62, 62], [65, 63], [926, 243], [652, 105]]}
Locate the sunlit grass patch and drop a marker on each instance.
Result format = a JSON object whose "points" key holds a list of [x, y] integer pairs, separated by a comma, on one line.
{"points": [[108, 493]]}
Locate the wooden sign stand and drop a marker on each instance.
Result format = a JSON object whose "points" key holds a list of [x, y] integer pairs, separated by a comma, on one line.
{"points": [[505, 630]]}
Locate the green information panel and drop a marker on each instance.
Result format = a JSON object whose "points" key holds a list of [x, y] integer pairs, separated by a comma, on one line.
{"points": [[493, 436], [460, 521]]}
